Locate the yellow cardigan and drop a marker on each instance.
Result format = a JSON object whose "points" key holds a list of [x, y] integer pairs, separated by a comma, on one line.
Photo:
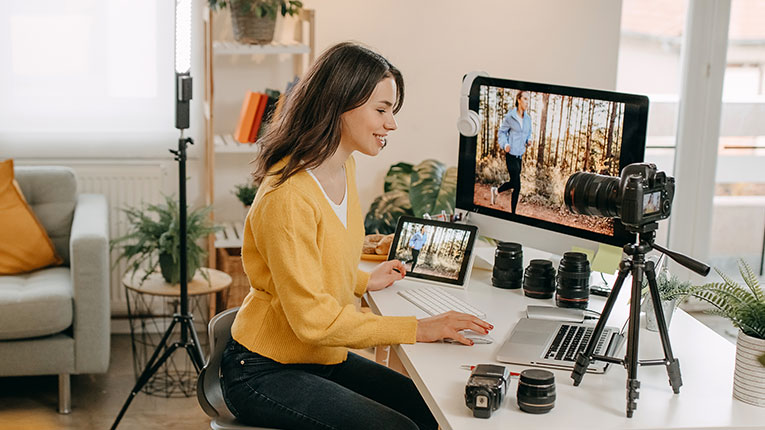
{"points": [[302, 264]]}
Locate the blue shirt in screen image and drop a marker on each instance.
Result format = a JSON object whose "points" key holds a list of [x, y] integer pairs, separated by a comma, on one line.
{"points": [[515, 132], [418, 240]]}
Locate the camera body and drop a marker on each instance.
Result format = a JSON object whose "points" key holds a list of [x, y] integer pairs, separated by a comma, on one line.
{"points": [[486, 388], [646, 194], [641, 195]]}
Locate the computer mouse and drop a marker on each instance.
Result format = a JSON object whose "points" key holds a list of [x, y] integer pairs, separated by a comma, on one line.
{"points": [[477, 338]]}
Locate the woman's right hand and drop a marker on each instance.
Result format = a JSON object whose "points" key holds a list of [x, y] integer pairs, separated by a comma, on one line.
{"points": [[448, 325]]}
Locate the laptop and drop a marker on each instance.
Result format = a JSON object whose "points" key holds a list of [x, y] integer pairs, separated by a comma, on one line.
{"points": [[433, 251], [555, 344]]}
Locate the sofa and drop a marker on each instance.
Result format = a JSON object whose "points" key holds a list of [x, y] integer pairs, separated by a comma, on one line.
{"points": [[56, 320]]}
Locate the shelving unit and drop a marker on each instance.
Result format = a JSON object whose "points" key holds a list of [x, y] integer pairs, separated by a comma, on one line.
{"points": [[302, 48]]}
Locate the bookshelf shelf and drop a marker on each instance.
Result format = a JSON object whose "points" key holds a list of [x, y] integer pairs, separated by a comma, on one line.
{"points": [[235, 48], [221, 142]]}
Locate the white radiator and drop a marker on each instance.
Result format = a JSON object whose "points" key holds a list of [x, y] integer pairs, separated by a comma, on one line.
{"points": [[124, 185]]}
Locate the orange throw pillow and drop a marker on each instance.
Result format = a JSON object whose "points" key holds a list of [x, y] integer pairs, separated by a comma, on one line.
{"points": [[24, 244]]}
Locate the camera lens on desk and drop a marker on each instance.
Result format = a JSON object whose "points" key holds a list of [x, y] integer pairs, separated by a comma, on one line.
{"points": [[536, 391], [573, 289], [539, 279], [508, 266]]}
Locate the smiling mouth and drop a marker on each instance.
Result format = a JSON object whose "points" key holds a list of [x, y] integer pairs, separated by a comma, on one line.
{"points": [[381, 139]]}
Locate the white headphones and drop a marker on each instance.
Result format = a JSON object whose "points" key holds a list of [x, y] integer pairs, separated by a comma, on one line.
{"points": [[469, 121]]}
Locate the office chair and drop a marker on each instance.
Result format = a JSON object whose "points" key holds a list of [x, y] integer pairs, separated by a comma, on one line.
{"points": [[209, 391]]}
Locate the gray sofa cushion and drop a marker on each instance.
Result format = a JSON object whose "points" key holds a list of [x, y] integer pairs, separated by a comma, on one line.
{"points": [[51, 192], [34, 304]]}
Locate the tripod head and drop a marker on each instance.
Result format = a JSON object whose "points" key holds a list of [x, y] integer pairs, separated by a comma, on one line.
{"points": [[646, 235]]}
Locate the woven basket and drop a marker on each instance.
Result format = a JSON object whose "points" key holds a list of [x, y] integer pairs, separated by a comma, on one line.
{"points": [[249, 28], [229, 260]]}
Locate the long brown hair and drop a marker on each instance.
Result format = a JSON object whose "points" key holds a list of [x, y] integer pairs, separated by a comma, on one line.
{"points": [[308, 128]]}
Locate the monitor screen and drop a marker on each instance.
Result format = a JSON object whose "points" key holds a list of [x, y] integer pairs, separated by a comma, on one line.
{"points": [[532, 137]]}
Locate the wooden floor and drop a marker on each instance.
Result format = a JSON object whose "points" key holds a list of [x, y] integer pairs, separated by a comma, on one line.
{"points": [[29, 403]]}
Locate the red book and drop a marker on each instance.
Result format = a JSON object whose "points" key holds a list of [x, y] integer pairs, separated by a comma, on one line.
{"points": [[258, 118], [247, 116]]}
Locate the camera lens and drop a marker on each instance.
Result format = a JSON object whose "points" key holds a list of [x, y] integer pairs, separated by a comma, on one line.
{"points": [[573, 290], [592, 194], [536, 391], [508, 266], [539, 279]]}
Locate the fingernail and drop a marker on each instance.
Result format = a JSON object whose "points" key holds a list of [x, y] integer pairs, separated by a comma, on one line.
{"points": [[472, 343]]}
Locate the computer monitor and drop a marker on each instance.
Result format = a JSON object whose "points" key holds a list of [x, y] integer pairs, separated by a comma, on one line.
{"points": [[512, 175]]}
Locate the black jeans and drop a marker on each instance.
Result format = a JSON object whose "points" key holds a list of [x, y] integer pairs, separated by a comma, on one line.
{"points": [[514, 168], [415, 256], [355, 394]]}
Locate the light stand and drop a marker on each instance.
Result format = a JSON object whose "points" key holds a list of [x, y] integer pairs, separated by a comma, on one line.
{"points": [[188, 339], [636, 264]]}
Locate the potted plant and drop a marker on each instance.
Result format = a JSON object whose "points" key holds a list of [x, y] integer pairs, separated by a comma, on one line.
{"points": [[671, 292], [245, 193], [745, 308], [254, 21], [429, 187], [154, 240]]}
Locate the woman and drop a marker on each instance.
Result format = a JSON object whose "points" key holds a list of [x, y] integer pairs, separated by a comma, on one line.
{"points": [[288, 364], [514, 137]]}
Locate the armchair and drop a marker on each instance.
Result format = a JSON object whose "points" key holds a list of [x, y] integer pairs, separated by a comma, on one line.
{"points": [[56, 320]]}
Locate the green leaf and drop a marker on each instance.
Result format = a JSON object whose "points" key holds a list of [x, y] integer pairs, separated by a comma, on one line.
{"points": [[761, 359], [398, 177], [425, 192], [385, 211]]}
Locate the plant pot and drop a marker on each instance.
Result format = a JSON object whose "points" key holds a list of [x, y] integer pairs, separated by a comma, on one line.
{"points": [[668, 307], [250, 28], [749, 373], [171, 270]]}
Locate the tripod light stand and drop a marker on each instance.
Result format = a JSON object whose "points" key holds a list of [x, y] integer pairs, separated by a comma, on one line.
{"points": [[636, 264], [188, 335]]}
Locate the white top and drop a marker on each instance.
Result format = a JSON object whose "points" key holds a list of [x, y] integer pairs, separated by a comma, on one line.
{"points": [[341, 210]]}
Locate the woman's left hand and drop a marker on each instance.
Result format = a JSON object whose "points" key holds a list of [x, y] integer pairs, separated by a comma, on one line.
{"points": [[385, 274]]}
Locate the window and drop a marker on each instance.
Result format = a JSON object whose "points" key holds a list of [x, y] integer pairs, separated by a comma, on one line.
{"points": [[86, 71]]}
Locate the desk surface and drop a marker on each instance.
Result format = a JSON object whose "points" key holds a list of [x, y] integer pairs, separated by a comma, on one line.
{"points": [[706, 364]]}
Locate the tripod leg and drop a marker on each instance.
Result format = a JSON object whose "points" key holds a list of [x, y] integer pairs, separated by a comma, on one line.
{"points": [[673, 365], [148, 371], [583, 358], [631, 360], [195, 348]]}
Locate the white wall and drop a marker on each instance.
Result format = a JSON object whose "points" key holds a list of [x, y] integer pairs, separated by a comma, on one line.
{"points": [[434, 43]]}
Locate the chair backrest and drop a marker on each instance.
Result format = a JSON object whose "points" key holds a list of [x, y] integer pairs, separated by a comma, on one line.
{"points": [[209, 391]]}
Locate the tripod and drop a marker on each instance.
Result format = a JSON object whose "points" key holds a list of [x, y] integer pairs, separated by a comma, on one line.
{"points": [[637, 265], [188, 335]]}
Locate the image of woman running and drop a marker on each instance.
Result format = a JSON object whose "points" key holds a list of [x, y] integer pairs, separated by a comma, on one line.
{"points": [[514, 137]]}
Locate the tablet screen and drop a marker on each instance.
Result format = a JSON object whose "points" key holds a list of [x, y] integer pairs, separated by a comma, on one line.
{"points": [[434, 250]]}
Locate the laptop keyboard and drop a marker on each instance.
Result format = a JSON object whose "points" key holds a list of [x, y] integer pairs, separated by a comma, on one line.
{"points": [[435, 301], [571, 339]]}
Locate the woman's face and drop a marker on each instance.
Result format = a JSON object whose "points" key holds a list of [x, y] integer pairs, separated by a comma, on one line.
{"points": [[523, 101], [365, 128]]}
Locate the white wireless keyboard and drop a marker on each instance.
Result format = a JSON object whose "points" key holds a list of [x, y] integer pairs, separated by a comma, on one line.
{"points": [[435, 301]]}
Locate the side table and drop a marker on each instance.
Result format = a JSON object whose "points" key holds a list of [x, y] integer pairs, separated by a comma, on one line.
{"points": [[151, 306]]}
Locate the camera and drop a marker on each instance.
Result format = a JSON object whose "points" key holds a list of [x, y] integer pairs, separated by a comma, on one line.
{"points": [[640, 196], [486, 388]]}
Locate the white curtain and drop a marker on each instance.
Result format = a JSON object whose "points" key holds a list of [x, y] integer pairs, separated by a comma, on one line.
{"points": [[86, 74]]}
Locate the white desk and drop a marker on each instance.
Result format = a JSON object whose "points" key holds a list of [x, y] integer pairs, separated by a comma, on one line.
{"points": [[706, 364]]}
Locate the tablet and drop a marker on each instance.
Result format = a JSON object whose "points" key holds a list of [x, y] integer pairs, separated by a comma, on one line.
{"points": [[434, 251]]}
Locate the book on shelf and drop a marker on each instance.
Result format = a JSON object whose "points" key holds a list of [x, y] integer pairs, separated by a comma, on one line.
{"points": [[247, 116], [273, 97], [258, 118]]}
